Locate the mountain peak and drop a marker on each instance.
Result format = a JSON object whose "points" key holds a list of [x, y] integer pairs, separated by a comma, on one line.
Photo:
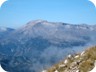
{"points": [[3, 28], [37, 21], [40, 20]]}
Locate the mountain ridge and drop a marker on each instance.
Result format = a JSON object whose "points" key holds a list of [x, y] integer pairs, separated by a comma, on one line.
{"points": [[40, 44]]}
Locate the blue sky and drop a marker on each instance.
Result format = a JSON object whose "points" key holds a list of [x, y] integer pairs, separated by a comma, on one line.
{"points": [[15, 13]]}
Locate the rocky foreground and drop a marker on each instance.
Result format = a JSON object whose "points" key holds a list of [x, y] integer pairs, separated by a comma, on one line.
{"points": [[82, 62]]}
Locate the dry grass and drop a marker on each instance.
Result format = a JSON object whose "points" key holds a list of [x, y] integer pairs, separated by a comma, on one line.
{"points": [[86, 62]]}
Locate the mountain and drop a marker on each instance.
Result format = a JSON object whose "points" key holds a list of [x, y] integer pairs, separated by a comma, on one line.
{"points": [[39, 44], [4, 31], [81, 62]]}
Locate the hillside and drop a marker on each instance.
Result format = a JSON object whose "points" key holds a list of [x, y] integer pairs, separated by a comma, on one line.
{"points": [[82, 62], [4, 31], [40, 44]]}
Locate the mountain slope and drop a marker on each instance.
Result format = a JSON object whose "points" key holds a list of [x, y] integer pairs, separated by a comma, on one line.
{"points": [[40, 44], [5, 31], [82, 62]]}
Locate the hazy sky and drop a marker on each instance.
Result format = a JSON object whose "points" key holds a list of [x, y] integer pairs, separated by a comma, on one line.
{"points": [[15, 13]]}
